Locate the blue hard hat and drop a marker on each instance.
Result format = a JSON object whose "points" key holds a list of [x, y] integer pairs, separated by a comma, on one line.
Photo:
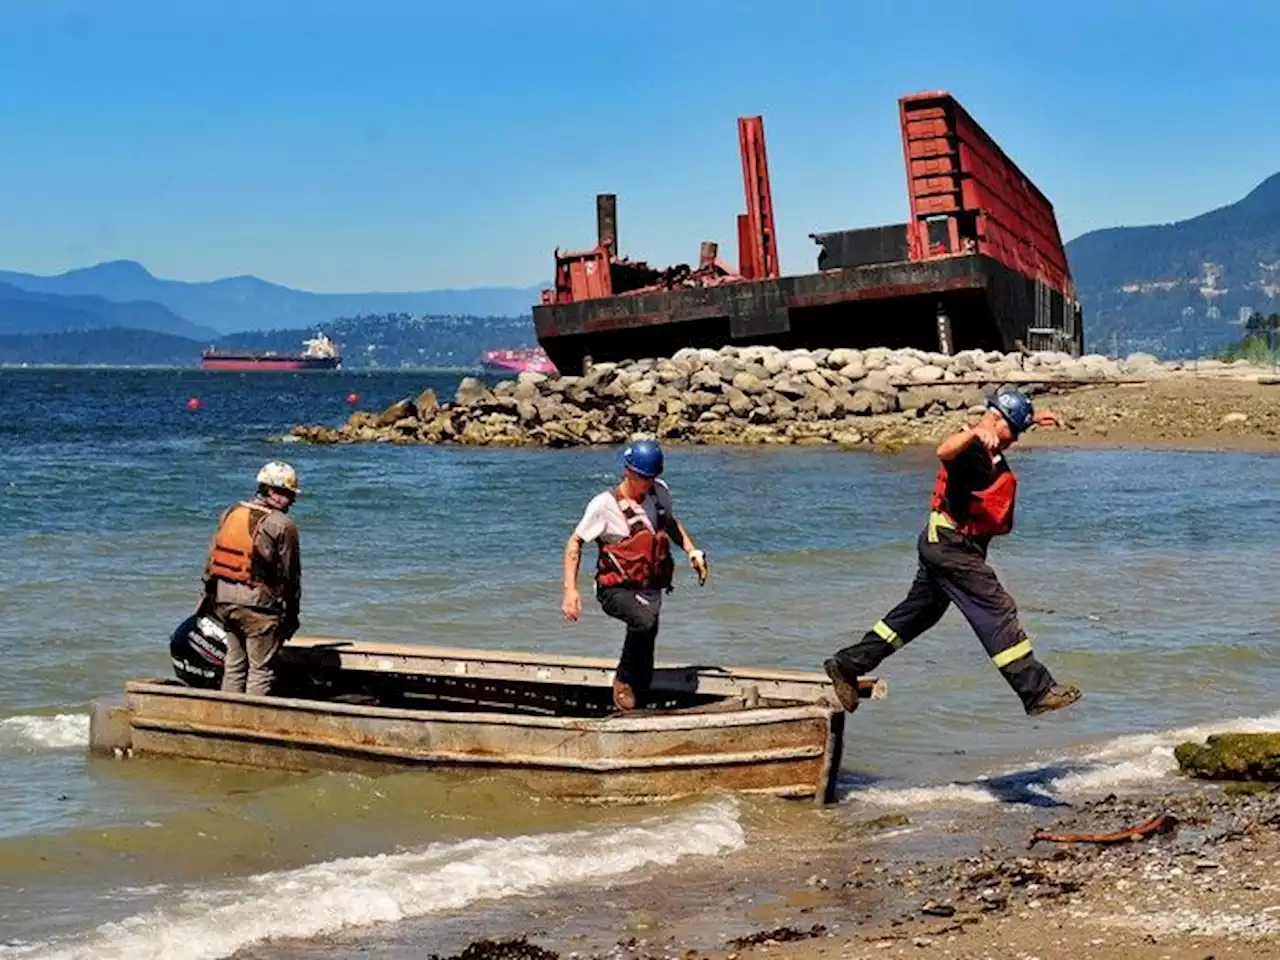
{"points": [[1014, 406], [643, 457]]}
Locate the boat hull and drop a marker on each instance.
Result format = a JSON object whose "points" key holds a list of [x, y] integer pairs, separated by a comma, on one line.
{"points": [[545, 721], [242, 364], [787, 751]]}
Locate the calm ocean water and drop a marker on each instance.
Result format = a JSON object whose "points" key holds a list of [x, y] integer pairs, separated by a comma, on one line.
{"points": [[1147, 577]]}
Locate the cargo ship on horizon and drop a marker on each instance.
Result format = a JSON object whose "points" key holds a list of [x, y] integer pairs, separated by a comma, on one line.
{"points": [[534, 360], [319, 353]]}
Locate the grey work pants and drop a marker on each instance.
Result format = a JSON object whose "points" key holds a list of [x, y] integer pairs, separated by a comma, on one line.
{"points": [[254, 639]]}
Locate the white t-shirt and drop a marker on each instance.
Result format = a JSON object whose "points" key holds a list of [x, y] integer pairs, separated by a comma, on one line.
{"points": [[605, 522]]}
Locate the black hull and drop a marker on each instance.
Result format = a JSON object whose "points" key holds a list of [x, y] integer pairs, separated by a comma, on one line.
{"points": [[986, 306]]}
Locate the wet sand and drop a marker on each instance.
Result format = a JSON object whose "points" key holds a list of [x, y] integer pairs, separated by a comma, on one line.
{"points": [[945, 884]]}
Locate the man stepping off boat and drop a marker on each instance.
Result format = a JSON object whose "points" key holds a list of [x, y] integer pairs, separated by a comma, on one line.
{"points": [[973, 501], [633, 526]]}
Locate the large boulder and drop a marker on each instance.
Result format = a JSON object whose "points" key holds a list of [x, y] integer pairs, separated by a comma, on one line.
{"points": [[360, 420], [648, 407], [921, 398], [1232, 756], [1140, 362], [526, 411], [790, 387], [640, 389], [824, 404], [400, 410], [427, 404], [928, 373], [705, 379], [842, 357], [877, 381], [869, 402], [816, 380], [739, 402], [747, 382], [470, 392], [700, 398]]}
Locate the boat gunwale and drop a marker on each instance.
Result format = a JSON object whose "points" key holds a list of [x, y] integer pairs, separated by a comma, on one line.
{"points": [[625, 723], [373, 647], [776, 684]]}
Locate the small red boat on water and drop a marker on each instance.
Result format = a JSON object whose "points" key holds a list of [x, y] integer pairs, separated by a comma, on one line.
{"points": [[319, 353], [519, 361]]}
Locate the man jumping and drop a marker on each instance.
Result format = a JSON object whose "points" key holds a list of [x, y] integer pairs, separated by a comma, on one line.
{"points": [[973, 501]]}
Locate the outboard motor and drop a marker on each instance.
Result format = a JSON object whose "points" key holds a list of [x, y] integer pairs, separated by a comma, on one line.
{"points": [[198, 649]]}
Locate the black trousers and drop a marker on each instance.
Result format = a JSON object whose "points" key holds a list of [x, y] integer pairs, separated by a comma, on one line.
{"points": [[954, 569], [635, 666]]}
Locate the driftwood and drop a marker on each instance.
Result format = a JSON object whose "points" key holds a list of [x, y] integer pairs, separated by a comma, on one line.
{"points": [[1164, 823]]}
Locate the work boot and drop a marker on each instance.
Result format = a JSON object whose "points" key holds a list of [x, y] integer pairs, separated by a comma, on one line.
{"points": [[845, 691], [1055, 698], [624, 697]]}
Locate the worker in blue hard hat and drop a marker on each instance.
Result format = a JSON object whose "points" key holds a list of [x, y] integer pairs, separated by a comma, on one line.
{"points": [[973, 501], [632, 526]]}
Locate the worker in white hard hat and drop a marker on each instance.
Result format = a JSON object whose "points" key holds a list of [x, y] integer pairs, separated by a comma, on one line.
{"points": [[253, 580]]}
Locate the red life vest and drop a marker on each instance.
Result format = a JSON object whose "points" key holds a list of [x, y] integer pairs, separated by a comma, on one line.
{"points": [[989, 511], [643, 559], [233, 554]]}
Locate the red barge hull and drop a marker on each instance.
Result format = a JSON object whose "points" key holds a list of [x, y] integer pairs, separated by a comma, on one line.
{"points": [[979, 264]]}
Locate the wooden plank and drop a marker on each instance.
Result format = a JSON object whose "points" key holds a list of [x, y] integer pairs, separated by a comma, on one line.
{"points": [[637, 722], [427, 755]]}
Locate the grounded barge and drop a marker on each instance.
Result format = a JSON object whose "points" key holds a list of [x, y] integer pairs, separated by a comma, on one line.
{"points": [[979, 264], [545, 720]]}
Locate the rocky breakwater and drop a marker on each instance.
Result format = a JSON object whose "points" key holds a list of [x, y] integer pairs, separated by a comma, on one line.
{"points": [[734, 395]]}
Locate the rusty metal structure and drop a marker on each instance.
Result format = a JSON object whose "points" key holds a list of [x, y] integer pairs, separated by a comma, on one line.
{"points": [[979, 264]]}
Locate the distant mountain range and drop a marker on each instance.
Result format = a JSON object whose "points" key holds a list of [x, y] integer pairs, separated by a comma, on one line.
{"points": [[247, 303], [367, 343], [1136, 282], [1170, 289], [25, 312]]}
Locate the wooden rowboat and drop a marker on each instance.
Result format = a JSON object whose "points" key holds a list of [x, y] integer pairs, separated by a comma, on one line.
{"points": [[544, 719]]}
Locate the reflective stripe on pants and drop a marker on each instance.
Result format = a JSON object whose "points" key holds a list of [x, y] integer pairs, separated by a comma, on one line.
{"points": [[953, 569]]}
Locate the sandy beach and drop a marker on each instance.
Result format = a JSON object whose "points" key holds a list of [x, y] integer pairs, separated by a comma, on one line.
{"points": [[1210, 888]]}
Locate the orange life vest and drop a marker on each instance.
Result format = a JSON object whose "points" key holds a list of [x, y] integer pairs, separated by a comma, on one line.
{"points": [[233, 554], [989, 511], [642, 560]]}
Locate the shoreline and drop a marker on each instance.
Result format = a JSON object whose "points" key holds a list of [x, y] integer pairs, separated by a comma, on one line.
{"points": [[876, 399], [872, 888]]}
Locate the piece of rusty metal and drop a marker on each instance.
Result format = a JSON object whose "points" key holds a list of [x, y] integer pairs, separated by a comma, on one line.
{"points": [[760, 235], [607, 222], [1161, 824]]}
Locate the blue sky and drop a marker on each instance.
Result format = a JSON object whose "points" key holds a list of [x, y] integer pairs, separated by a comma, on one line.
{"points": [[393, 144]]}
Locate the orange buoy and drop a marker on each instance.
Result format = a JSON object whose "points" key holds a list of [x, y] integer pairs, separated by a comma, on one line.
{"points": [[353, 398], [193, 403]]}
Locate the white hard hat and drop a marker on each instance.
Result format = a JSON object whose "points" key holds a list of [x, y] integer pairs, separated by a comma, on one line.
{"points": [[279, 475]]}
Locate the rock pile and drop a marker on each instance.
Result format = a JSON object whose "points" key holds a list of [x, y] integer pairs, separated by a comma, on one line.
{"points": [[742, 395]]}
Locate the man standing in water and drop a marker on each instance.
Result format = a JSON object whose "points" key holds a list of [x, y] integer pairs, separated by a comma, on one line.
{"points": [[973, 501], [632, 525], [253, 578]]}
